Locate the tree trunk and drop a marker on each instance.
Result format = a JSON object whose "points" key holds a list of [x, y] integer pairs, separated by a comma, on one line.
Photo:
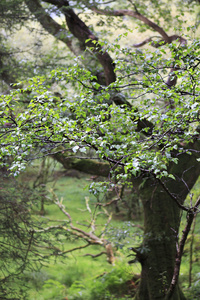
{"points": [[158, 252], [162, 217]]}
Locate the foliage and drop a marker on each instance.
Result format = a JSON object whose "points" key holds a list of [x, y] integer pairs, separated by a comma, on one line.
{"points": [[47, 125], [125, 235], [16, 239], [77, 266], [106, 286], [13, 14], [25, 49], [137, 113], [194, 291]]}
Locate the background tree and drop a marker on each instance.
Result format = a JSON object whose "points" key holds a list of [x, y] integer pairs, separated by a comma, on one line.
{"points": [[137, 112], [17, 240]]}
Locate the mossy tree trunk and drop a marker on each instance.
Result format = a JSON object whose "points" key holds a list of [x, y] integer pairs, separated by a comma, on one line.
{"points": [[162, 216], [158, 252]]}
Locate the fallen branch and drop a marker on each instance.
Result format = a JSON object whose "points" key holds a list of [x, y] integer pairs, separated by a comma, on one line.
{"points": [[108, 203], [89, 237], [95, 255]]}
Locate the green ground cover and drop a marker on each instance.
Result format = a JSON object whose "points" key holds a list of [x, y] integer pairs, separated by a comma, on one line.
{"points": [[76, 276]]}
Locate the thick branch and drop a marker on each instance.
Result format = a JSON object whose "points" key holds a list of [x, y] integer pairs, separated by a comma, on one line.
{"points": [[82, 32], [79, 29], [134, 14], [87, 166], [172, 78], [48, 23]]}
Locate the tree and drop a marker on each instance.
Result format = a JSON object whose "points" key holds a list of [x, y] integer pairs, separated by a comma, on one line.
{"points": [[21, 58], [138, 113], [17, 239]]}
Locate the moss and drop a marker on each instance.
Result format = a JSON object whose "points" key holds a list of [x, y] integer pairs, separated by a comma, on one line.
{"points": [[161, 222], [87, 166]]}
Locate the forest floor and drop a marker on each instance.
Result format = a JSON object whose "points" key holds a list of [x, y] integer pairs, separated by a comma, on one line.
{"points": [[76, 275]]}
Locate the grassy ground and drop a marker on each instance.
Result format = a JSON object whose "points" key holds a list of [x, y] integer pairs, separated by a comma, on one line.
{"points": [[75, 275], [78, 277]]}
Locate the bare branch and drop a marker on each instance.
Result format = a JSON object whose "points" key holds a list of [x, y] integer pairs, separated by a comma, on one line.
{"points": [[108, 203], [109, 253], [161, 42], [146, 41], [90, 237], [95, 255], [76, 248], [134, 14], [60, 205], [172, 196], [190, 217], [172, 78]]}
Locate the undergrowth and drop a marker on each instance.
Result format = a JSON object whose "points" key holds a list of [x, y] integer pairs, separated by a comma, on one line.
{"points": [[78, 277]]}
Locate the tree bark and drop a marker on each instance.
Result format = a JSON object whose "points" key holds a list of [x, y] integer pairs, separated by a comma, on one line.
{"points": [[87, 166], [158, 252], [162, 216]]}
